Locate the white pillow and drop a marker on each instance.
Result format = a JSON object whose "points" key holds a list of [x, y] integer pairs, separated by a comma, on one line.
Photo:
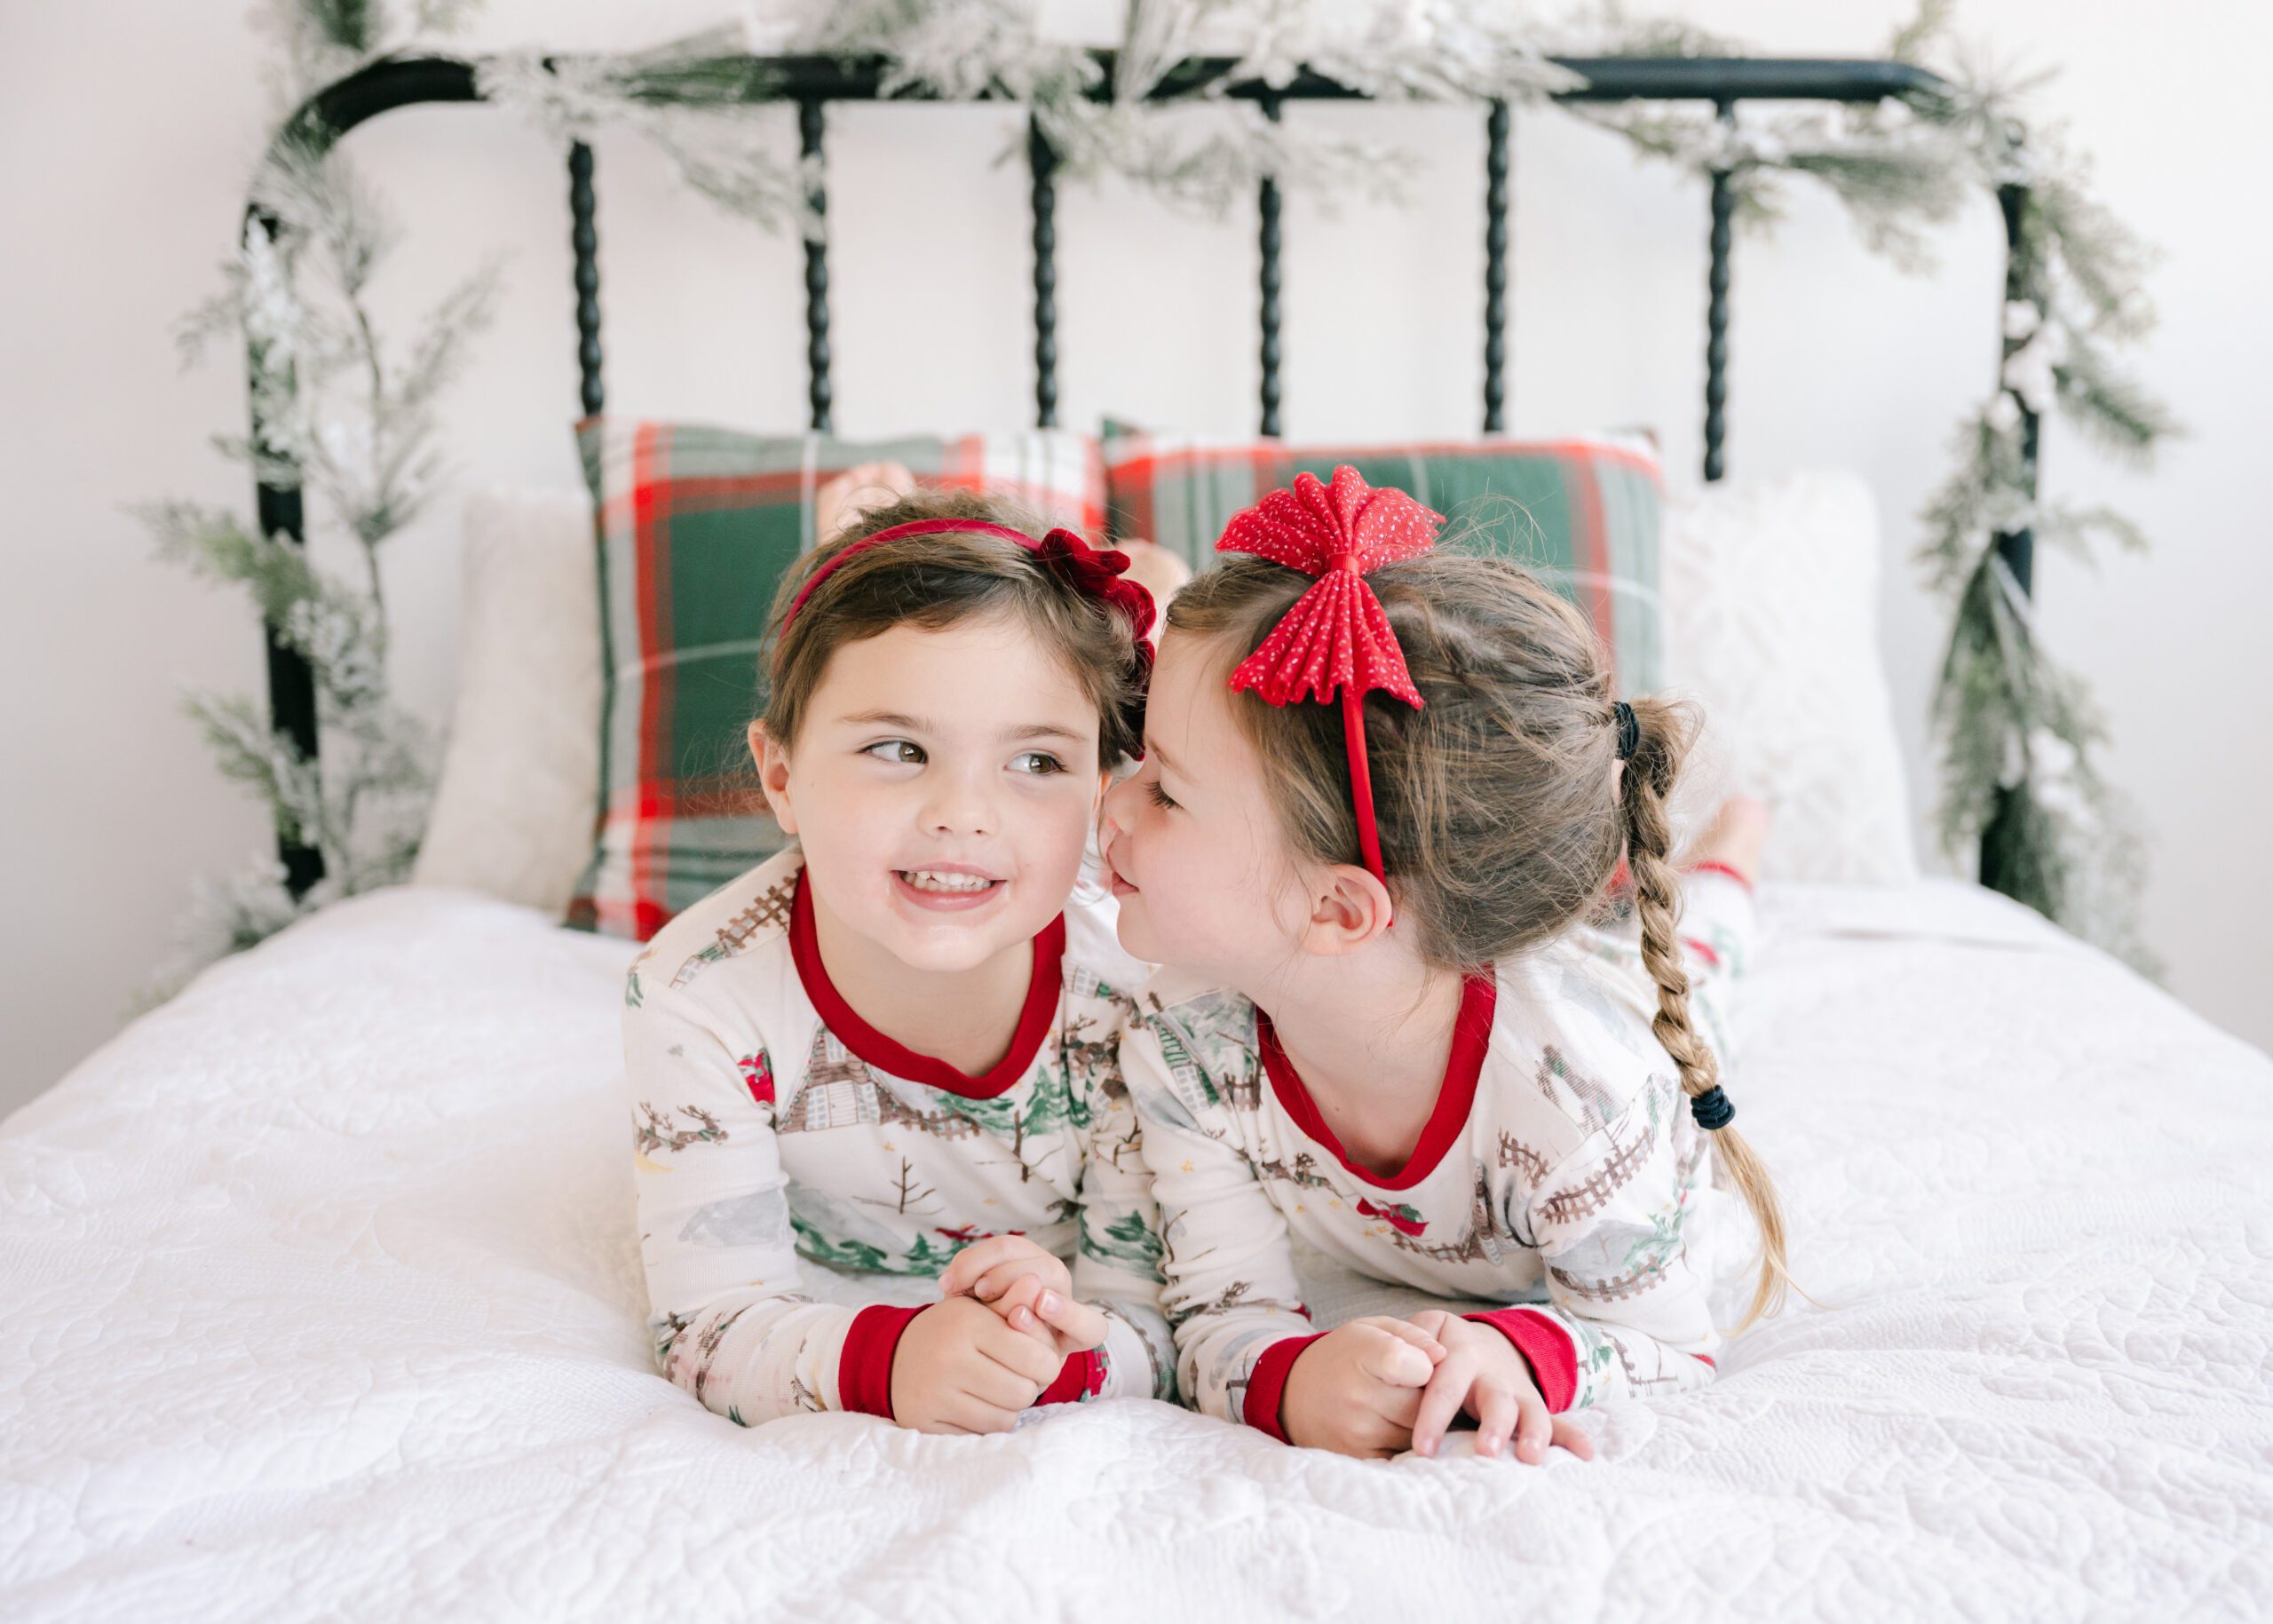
{"points": [[520, 779], [1771, 591]]}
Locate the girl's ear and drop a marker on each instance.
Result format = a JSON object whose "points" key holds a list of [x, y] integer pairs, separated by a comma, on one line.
{"points": [[774, 776], [1348, 909]]}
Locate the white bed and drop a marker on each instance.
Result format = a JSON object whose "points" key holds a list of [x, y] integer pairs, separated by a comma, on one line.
{"points": [[321, 1300]]}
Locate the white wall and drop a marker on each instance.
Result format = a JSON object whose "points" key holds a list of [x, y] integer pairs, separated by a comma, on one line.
{"points": [[129, 126]]}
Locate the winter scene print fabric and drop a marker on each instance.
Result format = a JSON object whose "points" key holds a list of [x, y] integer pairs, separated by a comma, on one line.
{"points": [[765, 1132], [1560, 1175]]}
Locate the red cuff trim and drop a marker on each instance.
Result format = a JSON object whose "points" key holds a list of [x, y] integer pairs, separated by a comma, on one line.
{"points": [[1711, 866], [1266, 1384], [1546, 1346], [1702, 950], [863, 1368], [1080, 1376]]}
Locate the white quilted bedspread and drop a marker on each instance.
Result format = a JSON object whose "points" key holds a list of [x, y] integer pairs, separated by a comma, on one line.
{"points": [[319, 1298]]}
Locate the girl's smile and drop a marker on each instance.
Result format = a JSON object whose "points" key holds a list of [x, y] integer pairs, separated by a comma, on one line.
{"points": [[949, 888]]}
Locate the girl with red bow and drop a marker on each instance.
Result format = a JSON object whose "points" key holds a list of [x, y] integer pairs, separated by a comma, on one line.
{"points": [[889, 1048], [1384, 796]]}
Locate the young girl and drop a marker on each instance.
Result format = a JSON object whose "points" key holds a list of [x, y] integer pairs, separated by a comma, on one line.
{"points": [[1386, 1025], [889, 1045]]}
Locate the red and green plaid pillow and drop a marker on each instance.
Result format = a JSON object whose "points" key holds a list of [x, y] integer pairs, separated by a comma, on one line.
{"points": [[1581, 512], [696, 527]]}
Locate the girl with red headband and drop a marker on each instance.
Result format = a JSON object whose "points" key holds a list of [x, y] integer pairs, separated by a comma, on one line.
{"points": [[1384, 796], [890, 1048]]}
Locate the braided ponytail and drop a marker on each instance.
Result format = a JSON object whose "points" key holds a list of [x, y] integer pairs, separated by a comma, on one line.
{"points": [[1663, 740]]}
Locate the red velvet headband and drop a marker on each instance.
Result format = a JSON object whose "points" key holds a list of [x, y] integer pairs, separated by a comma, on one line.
{"points": [[1336, 635], [1086, 569]]}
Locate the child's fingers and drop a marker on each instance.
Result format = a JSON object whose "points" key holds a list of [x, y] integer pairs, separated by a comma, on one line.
{"points": [[1081, 1324], [1000, 1279], [998, 1385], [1399, 1406], [1447, 1391], [1495, 1419], [936, 1427], [1030, 1358], [977, 1258], [1405, 1331], [1021, 1318], [1431, 1322], [1394, 1360], [1574, 1437], [1534, 1428], [1021, 1293], [966, 1413]]}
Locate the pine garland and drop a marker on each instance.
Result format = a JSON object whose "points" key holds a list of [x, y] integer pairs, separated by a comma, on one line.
{"points": [[2019, 734], [355, 430]]}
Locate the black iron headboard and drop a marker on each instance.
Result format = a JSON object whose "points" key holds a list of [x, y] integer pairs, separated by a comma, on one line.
{"points": [[812, 83]]}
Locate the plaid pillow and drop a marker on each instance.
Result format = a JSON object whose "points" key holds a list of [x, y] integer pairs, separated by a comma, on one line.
{"points": [[1585, 519], [696, 527]]}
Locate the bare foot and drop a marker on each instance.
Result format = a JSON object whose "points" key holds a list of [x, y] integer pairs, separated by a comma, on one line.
{"points": [[1157, 570], [1735, 836], [854, 492]]}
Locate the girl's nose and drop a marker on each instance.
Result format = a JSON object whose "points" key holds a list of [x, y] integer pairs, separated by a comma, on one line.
{"points": [[957, 805], [1109, 818]]}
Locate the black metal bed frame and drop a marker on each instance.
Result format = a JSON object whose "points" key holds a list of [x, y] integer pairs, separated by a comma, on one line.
{"points": [[810, 84]]}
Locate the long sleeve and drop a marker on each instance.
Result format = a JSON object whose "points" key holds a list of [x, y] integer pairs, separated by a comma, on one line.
{"points": [[730, 1321], [1626, 1312], [1627, 1309], [1229, 1286]]}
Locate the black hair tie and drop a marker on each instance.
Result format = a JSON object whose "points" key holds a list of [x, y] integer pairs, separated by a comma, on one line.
{"points": [[1629, 730], [1712, 1109]]}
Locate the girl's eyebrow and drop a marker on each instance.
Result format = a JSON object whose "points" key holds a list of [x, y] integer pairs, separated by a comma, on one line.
{"points": [[888, 718], [923, 725]]}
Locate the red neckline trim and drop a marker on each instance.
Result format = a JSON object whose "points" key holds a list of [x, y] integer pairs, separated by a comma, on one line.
{"points": [[891, 1056], [1471, 1038]]}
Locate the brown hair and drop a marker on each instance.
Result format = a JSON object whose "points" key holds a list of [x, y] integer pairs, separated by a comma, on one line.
{"points": [[936, 581], [1498, 824]]}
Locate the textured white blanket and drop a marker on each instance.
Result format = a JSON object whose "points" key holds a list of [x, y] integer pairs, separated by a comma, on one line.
{"points": [[319, 1298]]}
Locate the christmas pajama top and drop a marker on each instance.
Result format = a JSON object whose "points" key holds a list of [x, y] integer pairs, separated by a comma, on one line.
{"points": [[1559, 1173], [771, 1122]]}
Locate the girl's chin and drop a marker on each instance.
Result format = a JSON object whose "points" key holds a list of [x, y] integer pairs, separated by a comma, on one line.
{"points": [[1136, 938]]}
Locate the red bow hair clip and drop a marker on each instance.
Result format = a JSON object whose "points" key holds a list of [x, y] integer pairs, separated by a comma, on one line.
{"points": [[1337, 637], [1102, 573]]}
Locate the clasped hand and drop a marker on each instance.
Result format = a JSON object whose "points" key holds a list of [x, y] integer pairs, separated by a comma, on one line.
{"points": [[1005, 1324], [1378, 1386]]}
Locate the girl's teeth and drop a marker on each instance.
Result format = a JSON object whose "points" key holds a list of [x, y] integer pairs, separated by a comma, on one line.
{"points": [[923, 879]]}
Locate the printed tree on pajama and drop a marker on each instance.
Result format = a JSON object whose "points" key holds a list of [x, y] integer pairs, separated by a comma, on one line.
{"points": [[765, 1130], [1559, 1175]]}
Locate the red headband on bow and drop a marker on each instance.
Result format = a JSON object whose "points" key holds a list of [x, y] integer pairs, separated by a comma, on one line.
{"points": [[1336, 635], [1088, 570]]}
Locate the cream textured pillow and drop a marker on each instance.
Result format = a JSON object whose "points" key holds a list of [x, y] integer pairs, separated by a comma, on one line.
{"points": [[514, 812], [1770, 593]]}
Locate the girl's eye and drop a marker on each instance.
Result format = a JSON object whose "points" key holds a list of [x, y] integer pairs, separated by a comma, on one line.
{"points": [[1161, 798], [899, 752], [1042, 763]]}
